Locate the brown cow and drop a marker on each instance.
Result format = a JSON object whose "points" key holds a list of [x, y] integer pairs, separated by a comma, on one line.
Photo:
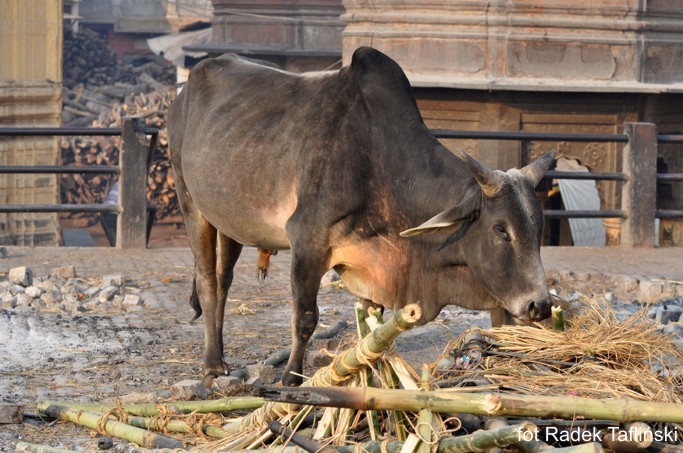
{"points": [[340, 168]]}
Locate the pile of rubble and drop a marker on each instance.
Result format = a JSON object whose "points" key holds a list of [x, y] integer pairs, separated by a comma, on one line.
{"points": [[62, 290]]}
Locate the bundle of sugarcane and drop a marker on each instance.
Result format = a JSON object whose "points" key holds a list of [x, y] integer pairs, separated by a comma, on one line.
{"points": [[599, 355]]}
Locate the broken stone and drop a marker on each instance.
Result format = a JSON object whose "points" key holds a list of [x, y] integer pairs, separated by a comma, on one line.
{"points": [[256, 381], [629, 284], [108, 293], [11, 414], [187, 389], [112, 280], [3, 252], [20, 276], [668, 314], [93, 291], [131, 300], [34, 291], [64, 272], [22, 300], [609, 297], [51, 296], [318, 359], [7, 300], [225, 383], [649, 290], [265, 372], [16, 289]]}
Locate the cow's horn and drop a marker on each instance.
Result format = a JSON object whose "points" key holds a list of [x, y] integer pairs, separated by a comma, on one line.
{"points": [[536, 169], [487, 179]]}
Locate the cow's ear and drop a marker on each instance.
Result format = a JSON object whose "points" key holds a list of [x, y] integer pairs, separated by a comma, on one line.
{"points": [[466, 210], [536, 169]]}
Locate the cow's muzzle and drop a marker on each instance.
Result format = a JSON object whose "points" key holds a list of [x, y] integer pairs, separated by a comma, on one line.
{"points": [[538, 310]]}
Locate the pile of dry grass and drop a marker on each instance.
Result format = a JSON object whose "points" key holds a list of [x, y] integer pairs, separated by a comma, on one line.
{"points": [[599, 356]]}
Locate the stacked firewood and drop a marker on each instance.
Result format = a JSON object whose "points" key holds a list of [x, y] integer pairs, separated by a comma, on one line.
{"points": [[152, 108], [100, 92]]}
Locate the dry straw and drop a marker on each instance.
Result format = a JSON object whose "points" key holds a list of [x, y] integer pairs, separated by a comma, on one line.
{"points": [[599, 356]]}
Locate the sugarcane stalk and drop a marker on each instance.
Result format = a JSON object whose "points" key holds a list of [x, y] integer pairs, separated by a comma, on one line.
{"points": [[309, 445], [26, 447], [152, 409], [477, 441], [558, 318], [112, 427], [176, 426], [348, 365], [424, 418], [492, 404], [366, 374], [635, 436]]}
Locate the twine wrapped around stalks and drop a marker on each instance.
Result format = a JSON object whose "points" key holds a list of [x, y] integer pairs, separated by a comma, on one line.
{"points": [[344, 367]]}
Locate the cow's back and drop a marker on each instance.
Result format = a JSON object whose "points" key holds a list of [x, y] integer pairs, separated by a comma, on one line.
{"points": [[244, 137]]}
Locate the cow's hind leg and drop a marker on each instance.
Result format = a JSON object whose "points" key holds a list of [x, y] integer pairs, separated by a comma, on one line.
{"points": [[228, 253]]}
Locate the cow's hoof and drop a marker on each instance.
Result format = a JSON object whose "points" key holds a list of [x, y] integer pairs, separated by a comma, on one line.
{"points": [[212, 373], [291, 380]]}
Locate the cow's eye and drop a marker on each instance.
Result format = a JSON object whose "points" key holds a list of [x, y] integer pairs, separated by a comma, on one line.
{"points": [[500, 230]]}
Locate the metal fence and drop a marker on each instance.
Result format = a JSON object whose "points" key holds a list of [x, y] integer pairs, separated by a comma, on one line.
{"points": [[639, 176], [135, 152]]}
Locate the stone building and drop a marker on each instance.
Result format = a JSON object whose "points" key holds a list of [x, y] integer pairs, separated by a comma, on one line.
{"points": [[298, 35], [30, 95], [539, 66]]}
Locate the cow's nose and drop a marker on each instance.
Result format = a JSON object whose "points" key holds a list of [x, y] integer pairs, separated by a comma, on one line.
{"points": [[538, 310]]}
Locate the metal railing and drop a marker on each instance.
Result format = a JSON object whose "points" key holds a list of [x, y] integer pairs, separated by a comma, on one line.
{"points": [[132, 170], [639, 177]]}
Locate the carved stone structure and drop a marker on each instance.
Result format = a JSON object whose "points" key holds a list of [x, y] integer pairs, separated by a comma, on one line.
{"points": [[539, 66], [30, 95], [299, 35]]}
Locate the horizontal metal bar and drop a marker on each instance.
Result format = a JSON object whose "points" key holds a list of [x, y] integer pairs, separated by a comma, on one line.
{"points": [[670, 138], [669, 214], [59, 208], [60, 169], [66, 131], [669, 176], [553, 174], [538, 136], [579, 214]]}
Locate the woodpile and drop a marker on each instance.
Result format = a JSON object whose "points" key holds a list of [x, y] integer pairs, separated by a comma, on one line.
{"points": [[99, 92]]}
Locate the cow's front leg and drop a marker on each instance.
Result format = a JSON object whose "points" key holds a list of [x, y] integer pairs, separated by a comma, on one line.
{"points": [[306, 272]]}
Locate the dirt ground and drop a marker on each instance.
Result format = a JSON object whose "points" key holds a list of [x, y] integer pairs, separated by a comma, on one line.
{"points": [[97, 355]]}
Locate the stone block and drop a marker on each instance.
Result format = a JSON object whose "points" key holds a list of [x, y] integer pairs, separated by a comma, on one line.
{"points": [[51, 296], [255, 381], [11, 414], [20, 276], [188, 389], [113, 280], [225, 383], [33, 291], [668, 314], [64, 272], [649, 290], [108, 293], [629, 284], [132, 300], [22, 300], [265, 372], [318, 359]]}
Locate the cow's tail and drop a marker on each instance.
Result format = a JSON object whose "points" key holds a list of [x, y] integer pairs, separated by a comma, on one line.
{"points": [[194, 301]]}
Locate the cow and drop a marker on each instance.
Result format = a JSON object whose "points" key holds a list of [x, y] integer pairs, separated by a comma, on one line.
{"points": [[340, 168]]}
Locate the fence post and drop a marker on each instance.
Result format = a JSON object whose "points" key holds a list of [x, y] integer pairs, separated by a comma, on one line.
{"points": [[639, 193], [131, 222]]}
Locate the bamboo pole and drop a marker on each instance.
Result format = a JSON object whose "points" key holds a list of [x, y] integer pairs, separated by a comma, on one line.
{"points": [[492, 404], [176, 426], [25, 447], [347, 365], [152, 409], [113, 427], [424, 418]]}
